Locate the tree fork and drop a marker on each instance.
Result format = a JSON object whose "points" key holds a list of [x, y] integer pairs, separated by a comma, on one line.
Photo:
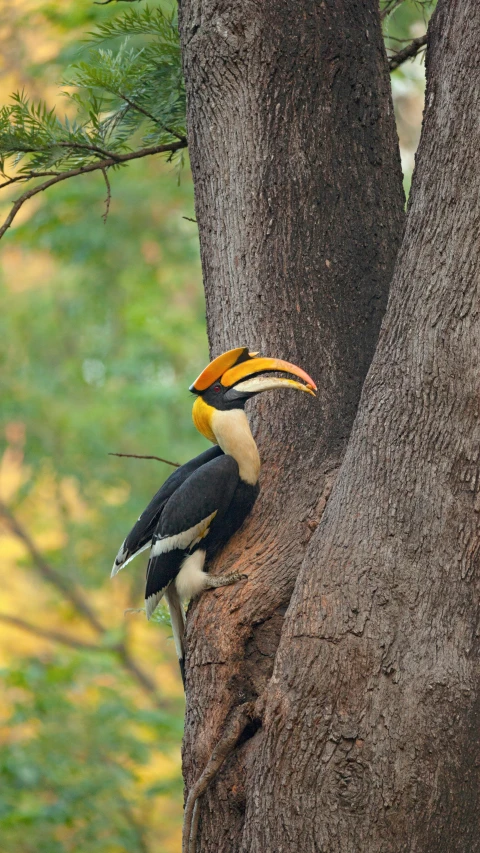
{"points": [[299, 202], [371, 729]]}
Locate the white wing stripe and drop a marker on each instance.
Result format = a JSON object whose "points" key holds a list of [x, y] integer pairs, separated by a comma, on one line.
{"points": [[182, 540]]}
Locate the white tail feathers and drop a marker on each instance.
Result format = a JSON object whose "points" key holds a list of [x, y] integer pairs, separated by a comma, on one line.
{"points": [[177, 616], [152, 602]]}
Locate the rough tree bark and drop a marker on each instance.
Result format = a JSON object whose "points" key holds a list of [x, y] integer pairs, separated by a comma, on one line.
{"points": [[300, 211], [370, 737]]}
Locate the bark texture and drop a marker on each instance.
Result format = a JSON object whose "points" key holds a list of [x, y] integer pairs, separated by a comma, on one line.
{"points": [[300, 209], [370, 738]]}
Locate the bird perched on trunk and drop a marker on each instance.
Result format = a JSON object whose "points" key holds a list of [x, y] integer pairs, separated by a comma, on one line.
{"points": [[204, 502]]}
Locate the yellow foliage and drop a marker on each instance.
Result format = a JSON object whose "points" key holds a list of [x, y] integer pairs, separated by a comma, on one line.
{"points": [[50, 505], [118, 495], [13, 474]]}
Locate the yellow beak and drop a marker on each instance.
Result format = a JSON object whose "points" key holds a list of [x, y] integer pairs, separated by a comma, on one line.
{"points": [[253, 366], [238, 364]]}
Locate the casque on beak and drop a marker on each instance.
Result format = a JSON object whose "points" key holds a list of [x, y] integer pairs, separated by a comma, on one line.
{"points": [[242, 374], [251, 377]]}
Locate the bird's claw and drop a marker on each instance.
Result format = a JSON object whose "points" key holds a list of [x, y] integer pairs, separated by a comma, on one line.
{"points": [[217, 581], [237, 576]]}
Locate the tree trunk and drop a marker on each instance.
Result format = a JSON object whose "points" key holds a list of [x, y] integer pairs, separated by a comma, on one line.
{"points": [[371, 726], [300, 209]]}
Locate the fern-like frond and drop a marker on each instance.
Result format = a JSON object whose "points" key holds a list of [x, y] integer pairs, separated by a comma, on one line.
{"points": [[139, 22], [128, 95]]}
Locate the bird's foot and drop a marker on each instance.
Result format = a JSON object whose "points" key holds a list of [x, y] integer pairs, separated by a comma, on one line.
{"points": [[212, 582]]}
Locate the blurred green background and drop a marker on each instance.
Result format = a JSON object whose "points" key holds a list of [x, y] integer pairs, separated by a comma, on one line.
{"points": [[102, 329]]}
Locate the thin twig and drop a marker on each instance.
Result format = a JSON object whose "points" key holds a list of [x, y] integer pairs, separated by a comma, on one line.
{"points": [[108, 198], [143, 111], [408, 52], [138, 108], [83, 170], [389, 8], [189, 219], [139, 456], [400, 40], [27, 176], [392, 5], [74, 146], [222, 750], [106, 2], [81, 146]]}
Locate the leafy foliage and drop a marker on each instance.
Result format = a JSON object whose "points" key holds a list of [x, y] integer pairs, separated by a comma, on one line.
{"points": [[404, 20], [101, 330], [128, 100], [71, 775], [123, 316], [129, 96]]}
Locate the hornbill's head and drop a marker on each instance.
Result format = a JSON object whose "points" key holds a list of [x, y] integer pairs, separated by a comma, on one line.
{"points": [[233, 378]]}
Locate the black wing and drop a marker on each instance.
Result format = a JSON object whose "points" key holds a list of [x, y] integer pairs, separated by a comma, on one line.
{"points": [[185, 521], [141, 533]]}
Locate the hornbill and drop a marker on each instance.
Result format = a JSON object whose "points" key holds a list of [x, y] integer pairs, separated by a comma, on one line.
{"points": [[203, 503]]}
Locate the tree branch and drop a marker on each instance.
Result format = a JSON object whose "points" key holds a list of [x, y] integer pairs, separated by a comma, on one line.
{"points": [[222, 750], [138, 674], [390, 7], [28, 176], [138, 456], [83, 170], [408, 52], [82, 146], [74, 596], [108, 198], [81, 606], [54, 636], [73, 146], [107, 2]]}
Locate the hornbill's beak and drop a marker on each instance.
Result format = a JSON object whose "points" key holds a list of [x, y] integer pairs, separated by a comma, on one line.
{"points": [[242, 375]]}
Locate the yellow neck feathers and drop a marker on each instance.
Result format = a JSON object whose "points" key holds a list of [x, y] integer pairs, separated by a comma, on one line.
{"points": [[230, 430], [202, 418]]}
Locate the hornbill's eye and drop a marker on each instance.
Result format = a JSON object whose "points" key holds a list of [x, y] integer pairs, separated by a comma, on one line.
{"points": [[217, 388]]}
